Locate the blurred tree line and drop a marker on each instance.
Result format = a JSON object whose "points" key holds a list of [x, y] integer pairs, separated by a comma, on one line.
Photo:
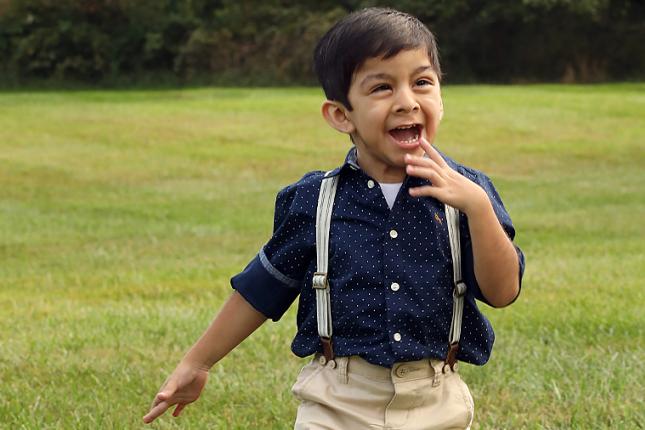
{"points": [[271, 41]]}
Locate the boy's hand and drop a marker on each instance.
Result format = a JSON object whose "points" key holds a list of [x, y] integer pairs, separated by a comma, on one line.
{"points": [[182, 387], [448, 186]]}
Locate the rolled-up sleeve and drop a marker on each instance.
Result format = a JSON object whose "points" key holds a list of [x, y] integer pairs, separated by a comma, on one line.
{"points": [[273, 279], [506, 223]]}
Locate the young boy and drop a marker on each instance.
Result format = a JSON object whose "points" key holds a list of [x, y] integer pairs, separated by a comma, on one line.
{"points": [[393, 294]]}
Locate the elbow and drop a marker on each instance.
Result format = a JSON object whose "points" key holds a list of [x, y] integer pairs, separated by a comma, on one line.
{"points": [[505, 289], [505, 296]]}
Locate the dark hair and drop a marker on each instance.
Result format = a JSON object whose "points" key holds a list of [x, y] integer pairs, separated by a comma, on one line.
{"points": [[364, 34]]}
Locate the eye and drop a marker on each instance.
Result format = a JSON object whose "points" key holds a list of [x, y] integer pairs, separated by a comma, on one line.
{"points": [[380, 87], [424, 82]]}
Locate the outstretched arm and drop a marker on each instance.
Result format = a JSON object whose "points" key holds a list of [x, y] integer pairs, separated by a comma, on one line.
{"points": [[495, 259], [235, 322]]}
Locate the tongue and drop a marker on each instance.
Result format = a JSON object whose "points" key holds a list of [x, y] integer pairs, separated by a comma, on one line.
{"points": [[404, 134]]}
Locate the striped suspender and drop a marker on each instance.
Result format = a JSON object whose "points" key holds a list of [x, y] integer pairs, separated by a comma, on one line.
{"points": [[321, 282], [452, 218]]}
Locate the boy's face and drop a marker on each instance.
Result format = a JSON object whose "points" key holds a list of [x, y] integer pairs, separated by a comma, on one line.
{"points": [[395, 101]]}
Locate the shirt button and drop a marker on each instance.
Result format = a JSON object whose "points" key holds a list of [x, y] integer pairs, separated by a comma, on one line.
{"points": [[395, 286], [397, 337], [394, 234], [370, 184]]}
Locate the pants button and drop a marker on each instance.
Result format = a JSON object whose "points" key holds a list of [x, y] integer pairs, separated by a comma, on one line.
{"points": [[401, 371]]}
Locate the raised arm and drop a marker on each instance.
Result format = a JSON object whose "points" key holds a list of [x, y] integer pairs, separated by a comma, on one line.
{"points": [[235, 322], [495, 259]]}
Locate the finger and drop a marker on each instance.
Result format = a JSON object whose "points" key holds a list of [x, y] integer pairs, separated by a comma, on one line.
{"points": [[160, 397], [155, 412], [414, 166], [416, 160], [422, 162], [180, 407], [432, 153], [156, 401], [425, 191], [430, 174], [168, 390]]}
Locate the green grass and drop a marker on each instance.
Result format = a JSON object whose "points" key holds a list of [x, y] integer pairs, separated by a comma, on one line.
{"points": [[124, 214]]}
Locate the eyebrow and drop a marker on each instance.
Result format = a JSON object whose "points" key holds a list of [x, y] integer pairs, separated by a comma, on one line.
{"points": [[376, 76]]}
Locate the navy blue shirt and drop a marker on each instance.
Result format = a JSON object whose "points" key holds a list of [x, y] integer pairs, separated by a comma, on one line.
{"points": [[390, 271]]}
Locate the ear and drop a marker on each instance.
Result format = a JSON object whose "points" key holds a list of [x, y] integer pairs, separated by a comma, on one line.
{"points": [[337, 117], [440, 109]]}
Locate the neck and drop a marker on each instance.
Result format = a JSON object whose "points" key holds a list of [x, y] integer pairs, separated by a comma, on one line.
{"points": [[388, 175], [381, 173]]}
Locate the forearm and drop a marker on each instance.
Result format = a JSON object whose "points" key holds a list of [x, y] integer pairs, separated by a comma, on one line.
{"points": [[495, 259], [235, 322]]}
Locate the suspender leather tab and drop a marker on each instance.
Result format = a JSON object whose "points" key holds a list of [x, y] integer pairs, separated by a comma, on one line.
{"points": [[451, 359], [328, 348]]}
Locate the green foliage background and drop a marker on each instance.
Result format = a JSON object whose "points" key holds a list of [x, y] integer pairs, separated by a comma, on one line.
{"points": [[270, 41]]}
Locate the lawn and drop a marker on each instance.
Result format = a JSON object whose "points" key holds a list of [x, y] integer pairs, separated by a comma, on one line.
{"points": [[123, 215]]}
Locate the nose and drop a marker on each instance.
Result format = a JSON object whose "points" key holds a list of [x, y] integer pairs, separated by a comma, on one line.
{"points": [[405, 102]]}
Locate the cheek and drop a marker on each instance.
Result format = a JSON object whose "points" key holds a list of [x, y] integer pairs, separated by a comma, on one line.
{"points": [[432, 110], [371, 117], [433, 114]]}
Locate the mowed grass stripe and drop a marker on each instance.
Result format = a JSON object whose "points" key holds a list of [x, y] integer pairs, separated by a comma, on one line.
{"points": [[123, 214]]}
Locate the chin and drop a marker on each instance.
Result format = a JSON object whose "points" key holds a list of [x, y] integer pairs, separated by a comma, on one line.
{"points": [[398, 160]]}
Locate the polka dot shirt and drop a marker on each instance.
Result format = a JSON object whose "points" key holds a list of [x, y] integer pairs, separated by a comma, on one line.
{"points": [[390, 270]]}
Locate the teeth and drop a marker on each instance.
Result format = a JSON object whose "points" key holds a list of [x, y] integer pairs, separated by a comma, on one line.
{"points": [[413, 139], [410, 140]]}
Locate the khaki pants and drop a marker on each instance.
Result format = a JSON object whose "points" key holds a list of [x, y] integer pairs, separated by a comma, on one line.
{"points": [[349, 393]]}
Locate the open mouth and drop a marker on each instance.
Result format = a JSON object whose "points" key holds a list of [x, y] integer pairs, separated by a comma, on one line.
{"points": [[407, 135]]}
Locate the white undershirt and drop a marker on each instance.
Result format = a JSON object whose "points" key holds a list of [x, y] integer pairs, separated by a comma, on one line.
{"points": [[390, 191]]}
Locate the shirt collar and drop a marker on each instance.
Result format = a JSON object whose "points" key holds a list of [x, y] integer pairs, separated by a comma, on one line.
{"points": [[351, 163], [351, 160]]}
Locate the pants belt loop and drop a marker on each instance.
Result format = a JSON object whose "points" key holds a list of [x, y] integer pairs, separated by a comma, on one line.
{"points": [[436, 374], [342, 363]]}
